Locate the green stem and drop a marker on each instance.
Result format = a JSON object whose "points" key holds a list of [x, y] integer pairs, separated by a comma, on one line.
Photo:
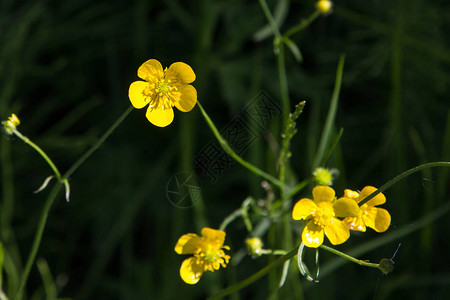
{"points": [[40, 151], [284, 89], [303, 24], [255, 276], [402, 176], [270, 18], [350, 258], [299, 187], [223, 143], [331, 114], [37, 240], [100, 141], [49, 202]]}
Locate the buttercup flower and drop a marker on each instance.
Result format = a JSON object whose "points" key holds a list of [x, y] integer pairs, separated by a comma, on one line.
{"points": [[162, 90], [321, 215], [376, 218], [207, 250], [324, 6], [11, 124]]}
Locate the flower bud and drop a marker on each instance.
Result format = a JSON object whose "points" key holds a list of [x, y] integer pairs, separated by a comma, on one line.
{"points": [[10, 125], [323, 176], [324, 6], [254, 246]]}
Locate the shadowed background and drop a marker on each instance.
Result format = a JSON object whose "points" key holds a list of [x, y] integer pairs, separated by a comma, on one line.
{"points": [[65, 69]]}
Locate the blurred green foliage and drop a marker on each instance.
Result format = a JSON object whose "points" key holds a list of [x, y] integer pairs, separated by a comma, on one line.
{"points": [[65, 68]]}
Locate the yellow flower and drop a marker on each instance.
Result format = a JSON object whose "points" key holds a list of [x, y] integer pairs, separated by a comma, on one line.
{"points": [[324, 6], [11, 124], [321, 215], [376, 218], [207, 250], [162, 90]]}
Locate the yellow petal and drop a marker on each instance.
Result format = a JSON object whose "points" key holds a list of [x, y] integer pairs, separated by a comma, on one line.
{"points": [[345, 207], [151, 70], [136, 95], [180, 73], [323, 193], [312, 235], [214, 236], [337, 232], [188, 97], [160, 117], [378, 219], [377, 200], [303, 208], [351, 194], [191, 272], [355, 223], [187, 244]]}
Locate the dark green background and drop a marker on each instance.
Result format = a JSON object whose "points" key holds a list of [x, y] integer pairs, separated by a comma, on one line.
{"points": [[65, 69]]}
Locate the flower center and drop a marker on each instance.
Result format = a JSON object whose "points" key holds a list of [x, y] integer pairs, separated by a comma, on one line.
{"points": [[212, 258], [162, 87], [161, 94], [323, 216]]}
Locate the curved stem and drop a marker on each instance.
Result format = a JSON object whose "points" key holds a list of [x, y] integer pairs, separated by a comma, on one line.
{"points": [[40, 151], [100, 141], [403, 176], [350, 258], [51, 198], [303, 24], [224, 144]]}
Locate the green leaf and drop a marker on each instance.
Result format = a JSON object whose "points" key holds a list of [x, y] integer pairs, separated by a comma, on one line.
{"points": [[294, 49]]}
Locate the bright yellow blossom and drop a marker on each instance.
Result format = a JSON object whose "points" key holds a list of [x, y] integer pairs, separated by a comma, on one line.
{"points": [[376, 218], [162, 90], [11, 124], [207, 250], [324, 6], [321, 215]]}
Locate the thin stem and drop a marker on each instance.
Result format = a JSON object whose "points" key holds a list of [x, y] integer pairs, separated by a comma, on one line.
{"points": [[49, 202], [404, 175], [303, 24], [230, 218], [224, 144], [282, 78], [299, 187], [273, 252], [37, 240], [40, 151], [270, 18], [256, 276], [350, 258], [100, 141]]}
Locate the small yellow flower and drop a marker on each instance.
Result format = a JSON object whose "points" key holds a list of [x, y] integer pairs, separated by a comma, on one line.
{"points": [[324, 6], [162, 90], [254, 246], [376, 218], [207, 250], [321, 215], [11, 124]]}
